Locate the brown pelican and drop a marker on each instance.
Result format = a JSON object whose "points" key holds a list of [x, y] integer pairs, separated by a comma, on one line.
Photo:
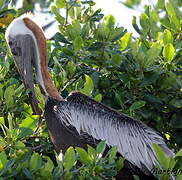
{"points": [[79, 120]]}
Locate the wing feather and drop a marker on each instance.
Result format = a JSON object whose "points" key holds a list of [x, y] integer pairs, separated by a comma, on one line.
{"points": [[133, 138]]}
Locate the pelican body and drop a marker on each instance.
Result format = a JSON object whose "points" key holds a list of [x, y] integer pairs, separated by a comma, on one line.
{"points": [[78, 120]]}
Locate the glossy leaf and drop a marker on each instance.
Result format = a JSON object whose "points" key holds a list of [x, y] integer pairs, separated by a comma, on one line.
{"points": [[91, 3], [116, 59], [71, 68], [35, 161], [61, 3], [88, 86], [101, 147], [112, 154], [167, 37], [92, 152], [179, 153], [2, 120], [161, 157], [168, 52], [77, 44], [98, 97], [3, 160], [83, 156], [144, 22], [135, 25], [119, 164], [137, 105], [153, 53], [59, 37], [59, 18], [125, 41], [8, 95], [110, 21], [69, 158]]}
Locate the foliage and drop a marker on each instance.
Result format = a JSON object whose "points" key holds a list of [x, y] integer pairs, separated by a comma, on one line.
{"points": [[24, 162], [139, 76], [167, 165]]}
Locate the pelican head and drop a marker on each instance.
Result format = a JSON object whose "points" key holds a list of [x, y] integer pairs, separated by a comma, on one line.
{"points": [[27, 44], [22, 47]]}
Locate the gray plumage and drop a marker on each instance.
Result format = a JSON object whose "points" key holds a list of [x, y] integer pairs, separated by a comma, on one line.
{"points": [[133, 138]]}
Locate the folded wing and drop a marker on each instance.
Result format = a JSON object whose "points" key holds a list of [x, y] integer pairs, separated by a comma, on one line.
{"points": [[133, 138]]}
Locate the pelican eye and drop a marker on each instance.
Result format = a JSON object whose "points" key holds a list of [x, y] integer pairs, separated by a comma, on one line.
{"points": [[10, 43]]}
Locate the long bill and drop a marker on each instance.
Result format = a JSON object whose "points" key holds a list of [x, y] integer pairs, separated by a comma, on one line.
{"points": [[23, 50]]}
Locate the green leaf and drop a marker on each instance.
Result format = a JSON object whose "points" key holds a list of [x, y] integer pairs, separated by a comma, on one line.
{"points": [[117, 34], [2, 143], [61, 3], [153, 99], [110, 21], [175, 22], [85, 30], [67, 51], [119, 164], [165, 22], [161, 4], [168, 52], [176, 102], [179, 153], [77, 44], [91, 3], [1, 90], [116, 59], [2, 120], [144, 22], [161, 157], [136, 177], [10, 122], [46, 170], [135, 25], [27, 173], [59, 18], [112, 154], [83, 156], [69, 158], [103, 32], [74, 30], [27, 126], [152, 54], [98, 97], [59, 37], [8, 95], [3, 159], [71, 68], [35, 162], [91, 152], [132, 3], [1, 3], [137, 105], [153, 17], [88, 86], [19, 145], [96, 46], [170, 9], [125, 41], [7, 167], [101, 147], [167, 37], [29, 122]]}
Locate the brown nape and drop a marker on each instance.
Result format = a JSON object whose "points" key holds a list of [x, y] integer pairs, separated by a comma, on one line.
{"points": [[41, 42]]}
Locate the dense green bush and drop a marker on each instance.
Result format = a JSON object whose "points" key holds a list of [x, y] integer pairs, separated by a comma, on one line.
{"points": [[139, 76]]}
